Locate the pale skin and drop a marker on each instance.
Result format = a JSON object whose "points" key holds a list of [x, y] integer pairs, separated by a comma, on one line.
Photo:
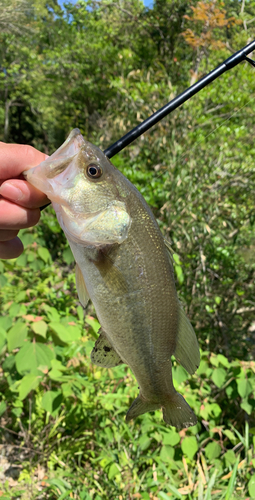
{"points": [[19, 201]]}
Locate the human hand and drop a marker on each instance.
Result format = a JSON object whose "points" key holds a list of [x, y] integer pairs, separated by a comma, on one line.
{"points": [[19, 201]]}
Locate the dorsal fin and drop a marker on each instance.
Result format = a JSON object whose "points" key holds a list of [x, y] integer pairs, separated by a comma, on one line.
{"points": [[170, 250], [187, 348]]}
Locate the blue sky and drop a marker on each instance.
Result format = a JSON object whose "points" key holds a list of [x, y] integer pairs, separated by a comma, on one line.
{"points": [[147, 3]]}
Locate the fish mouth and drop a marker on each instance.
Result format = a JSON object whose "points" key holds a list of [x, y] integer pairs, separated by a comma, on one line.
{"points": [[58, 169], [53, 178]]}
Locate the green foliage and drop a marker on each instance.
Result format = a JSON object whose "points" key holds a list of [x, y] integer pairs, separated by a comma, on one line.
{"points": [[73, 412], [103, 67]]}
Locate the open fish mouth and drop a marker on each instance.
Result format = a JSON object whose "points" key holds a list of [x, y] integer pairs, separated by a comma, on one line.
{"points": [[59, 170]]}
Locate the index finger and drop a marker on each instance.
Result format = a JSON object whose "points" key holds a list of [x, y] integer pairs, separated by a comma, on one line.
{"points": [[15, 158]]}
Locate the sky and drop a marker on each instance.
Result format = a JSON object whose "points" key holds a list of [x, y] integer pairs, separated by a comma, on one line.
{"points": [[147, 3]]}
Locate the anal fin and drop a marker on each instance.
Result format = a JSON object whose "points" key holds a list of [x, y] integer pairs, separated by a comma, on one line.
{"points": [[103, 353], [187, 348]]}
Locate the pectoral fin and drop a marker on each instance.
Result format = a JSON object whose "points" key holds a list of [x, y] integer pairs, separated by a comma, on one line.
{"points": [[103, 353], [187, 348], [81, 287]]}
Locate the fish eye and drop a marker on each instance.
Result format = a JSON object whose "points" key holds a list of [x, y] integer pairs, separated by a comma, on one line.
{"points": [[93, 171]]}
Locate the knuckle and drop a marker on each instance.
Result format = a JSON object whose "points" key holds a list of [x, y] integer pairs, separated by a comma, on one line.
{"points": [[29, 152]]}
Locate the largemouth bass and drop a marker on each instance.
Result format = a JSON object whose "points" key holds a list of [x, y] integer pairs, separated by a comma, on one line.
{"points": [[124, 266]]}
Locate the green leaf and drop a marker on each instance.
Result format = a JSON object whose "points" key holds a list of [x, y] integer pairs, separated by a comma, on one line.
{"points": [[32, 356], [9, 363], [14, 310], [189, 446], [251, 487], [93, 323], [219, 377], [214, 360], [28, 383], [3, 338], [231, 436], [244, 387], [144, 442], [167, 453], [22, 260], [52, 313], [40, 328], [215, 409], [246, 406], [229, 457], [80, 313], [179, 273], [171, 437], [177, 259], [64, 334], [113, 471], [145, 496], [3, 407], [3, 280], [68, 256], [44, 254], [212, 450], [51, 401], [223, 360], [21, 296], [179, 374], [16, 335], [5, 322]]}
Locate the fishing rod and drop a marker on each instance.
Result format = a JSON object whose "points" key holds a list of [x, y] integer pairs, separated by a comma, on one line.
{"points": [[231, 62]]}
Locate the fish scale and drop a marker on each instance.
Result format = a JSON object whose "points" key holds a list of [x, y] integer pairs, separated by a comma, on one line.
{"points": [[124, 267]]}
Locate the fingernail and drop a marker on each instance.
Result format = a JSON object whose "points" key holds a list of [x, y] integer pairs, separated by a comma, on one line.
{"points": [[7, 190]]}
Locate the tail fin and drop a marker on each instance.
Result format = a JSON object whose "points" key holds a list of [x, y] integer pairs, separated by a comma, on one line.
{"points": [[176, 411], [140, 406]]}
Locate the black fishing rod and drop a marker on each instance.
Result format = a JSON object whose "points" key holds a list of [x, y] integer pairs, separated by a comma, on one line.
{"points": [[229, 63]]}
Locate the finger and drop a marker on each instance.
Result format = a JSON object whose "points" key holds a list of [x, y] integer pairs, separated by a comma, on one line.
{"points": [[22, 193], [6, 235], [15, 158], [14, 217], [11, 249]]}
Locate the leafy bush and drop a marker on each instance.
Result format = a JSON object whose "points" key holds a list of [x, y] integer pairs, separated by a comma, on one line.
{"points": [[104, 69], [70, 414]]}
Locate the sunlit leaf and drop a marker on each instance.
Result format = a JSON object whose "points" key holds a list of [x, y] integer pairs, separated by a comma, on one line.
{"points": [[189, 446]]}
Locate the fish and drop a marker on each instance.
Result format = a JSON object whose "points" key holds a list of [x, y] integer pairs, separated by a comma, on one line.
{"points": [[124, 265]]}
